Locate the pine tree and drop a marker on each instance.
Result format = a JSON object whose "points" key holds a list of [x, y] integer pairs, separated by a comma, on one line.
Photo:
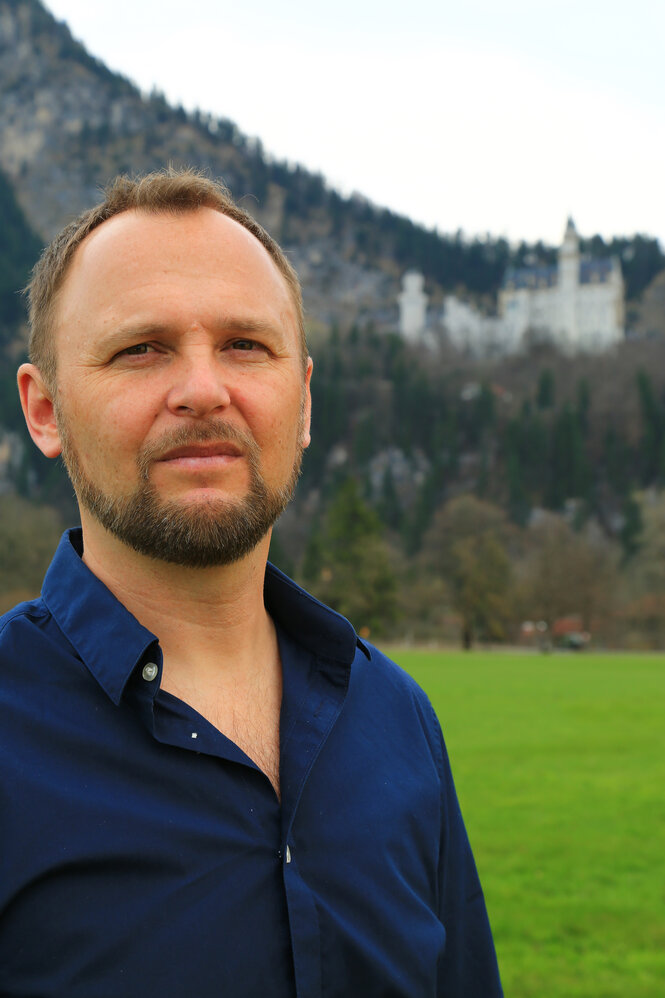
{"points": [[356, 576], [545, 392]]}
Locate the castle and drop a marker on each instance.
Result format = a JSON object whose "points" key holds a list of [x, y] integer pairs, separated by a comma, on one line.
{"points": [[578, 305]]}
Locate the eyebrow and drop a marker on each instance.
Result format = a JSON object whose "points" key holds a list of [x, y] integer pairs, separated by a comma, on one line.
{"points": [[226, 324], [237, 323]]}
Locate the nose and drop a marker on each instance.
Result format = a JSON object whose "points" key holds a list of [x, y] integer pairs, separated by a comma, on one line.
{"points": [[199, 387]]}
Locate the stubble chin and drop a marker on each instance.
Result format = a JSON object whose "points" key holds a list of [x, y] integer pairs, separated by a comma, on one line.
{"points": [[194, 532]]}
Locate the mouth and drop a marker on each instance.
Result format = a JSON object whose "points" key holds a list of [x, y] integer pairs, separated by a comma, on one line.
{"points": [[202, 456]]}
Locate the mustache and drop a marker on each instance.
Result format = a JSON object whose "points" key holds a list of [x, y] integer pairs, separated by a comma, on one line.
{"points": [[215, 431]]}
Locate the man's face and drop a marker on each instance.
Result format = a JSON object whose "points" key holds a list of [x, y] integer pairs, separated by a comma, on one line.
{"points": [[182, 405]]}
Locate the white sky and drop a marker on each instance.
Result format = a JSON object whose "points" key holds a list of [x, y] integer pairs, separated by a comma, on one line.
{"points": [[501, 117]]}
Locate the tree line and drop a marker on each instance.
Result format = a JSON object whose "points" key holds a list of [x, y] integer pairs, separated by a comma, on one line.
{"points": [[478, 577]]}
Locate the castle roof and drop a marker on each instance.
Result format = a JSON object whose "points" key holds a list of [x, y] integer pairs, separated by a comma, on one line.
{"points": [[590, 272], [530, 277], [595, 271]]}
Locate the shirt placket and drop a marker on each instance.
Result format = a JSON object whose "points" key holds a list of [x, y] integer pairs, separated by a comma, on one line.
{"points": [[316, 716]]}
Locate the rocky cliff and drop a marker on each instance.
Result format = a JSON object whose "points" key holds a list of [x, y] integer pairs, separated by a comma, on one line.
{"points": [[68, 124]]}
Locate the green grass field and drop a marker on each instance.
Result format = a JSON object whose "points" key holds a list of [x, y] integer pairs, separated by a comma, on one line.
{"points": [[559, 762]]}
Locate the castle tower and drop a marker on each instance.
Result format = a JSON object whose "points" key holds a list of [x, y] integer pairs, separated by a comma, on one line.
{"points": [[412, 306], [568, 281]]}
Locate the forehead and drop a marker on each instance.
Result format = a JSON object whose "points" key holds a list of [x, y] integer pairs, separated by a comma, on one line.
{"points": [[193, 255]]}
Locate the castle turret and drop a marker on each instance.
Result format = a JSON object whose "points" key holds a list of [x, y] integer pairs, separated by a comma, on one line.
{"points": [[569, 279], [412, 306]]}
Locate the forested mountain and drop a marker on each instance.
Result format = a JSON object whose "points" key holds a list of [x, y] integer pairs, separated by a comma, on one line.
{"points": [[535, 431], [401, 434]]}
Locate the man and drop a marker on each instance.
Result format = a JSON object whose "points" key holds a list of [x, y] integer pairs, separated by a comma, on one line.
{"points": [[209, 784]]}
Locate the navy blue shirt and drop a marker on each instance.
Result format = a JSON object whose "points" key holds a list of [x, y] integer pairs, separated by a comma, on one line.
{"points": [[143, 853]]}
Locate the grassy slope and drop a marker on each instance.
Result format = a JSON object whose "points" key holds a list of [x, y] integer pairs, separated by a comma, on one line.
{"points": [[560, 768]]}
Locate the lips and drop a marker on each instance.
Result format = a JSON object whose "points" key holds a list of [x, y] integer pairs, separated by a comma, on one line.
{"points": [[225, 449]]}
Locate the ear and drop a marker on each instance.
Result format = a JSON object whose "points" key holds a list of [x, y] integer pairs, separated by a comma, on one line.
{"points": [[38, 410], [307, 406]]}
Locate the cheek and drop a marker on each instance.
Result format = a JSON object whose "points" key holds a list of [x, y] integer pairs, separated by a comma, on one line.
{"points": [[106, 432], [128, 415], [279, 426]]}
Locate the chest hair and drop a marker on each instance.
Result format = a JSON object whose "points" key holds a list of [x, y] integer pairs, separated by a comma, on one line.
{"points": [[247, 713]]}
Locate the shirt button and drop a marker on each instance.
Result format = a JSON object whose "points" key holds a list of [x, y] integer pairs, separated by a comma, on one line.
{"points": [[150, 670]]}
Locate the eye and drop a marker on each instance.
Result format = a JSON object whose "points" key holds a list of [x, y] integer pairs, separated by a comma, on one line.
{"points": [[138, 350], [254, 349]]}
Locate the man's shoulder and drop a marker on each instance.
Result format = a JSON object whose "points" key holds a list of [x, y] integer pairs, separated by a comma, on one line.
{"points": [[20, 630], [386, 679], [22, 633], [383, 694], [22, 618], [388, 671]]}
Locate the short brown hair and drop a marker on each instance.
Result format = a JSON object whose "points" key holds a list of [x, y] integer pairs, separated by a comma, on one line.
{"points": [[170, 191]]}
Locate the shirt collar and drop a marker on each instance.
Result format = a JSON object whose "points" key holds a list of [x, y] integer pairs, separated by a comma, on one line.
{"points": [[312, 624], [111, 641], [106, 636]]}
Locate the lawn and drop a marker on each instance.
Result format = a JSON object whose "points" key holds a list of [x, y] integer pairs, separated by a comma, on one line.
{"points": [[559, 762]]}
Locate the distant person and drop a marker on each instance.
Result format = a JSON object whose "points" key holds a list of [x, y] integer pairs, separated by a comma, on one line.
{"points": [[209, 785]]}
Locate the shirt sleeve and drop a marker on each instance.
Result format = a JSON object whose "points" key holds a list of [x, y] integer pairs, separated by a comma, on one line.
{"points": [[468, 967]]}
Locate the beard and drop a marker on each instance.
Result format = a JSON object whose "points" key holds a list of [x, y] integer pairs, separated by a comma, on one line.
{"points": [[193, 534]]}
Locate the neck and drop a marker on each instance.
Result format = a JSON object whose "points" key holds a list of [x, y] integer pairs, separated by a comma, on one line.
{"points": [[205, 618]]}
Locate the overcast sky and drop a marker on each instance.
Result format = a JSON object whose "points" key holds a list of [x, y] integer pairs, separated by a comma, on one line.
{"points": [[472, 114]]}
